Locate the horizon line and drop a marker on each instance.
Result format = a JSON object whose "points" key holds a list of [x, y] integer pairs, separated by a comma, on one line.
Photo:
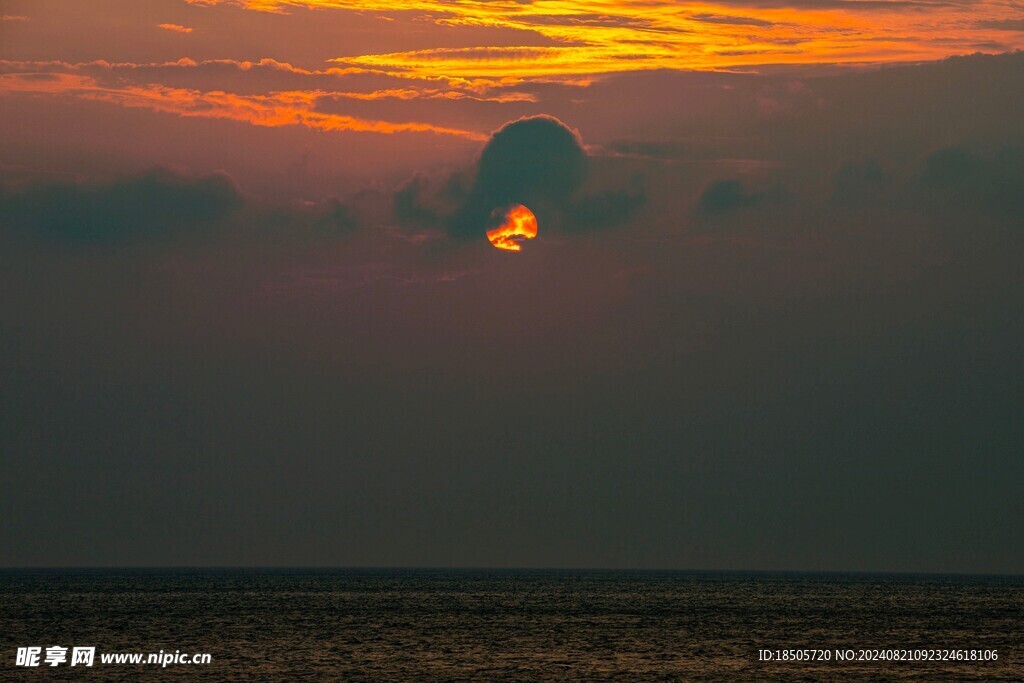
{"points": [[492, 568]]}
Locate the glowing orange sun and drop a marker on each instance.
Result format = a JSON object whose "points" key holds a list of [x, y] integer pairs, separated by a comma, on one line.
{"points": [[514, 224]]}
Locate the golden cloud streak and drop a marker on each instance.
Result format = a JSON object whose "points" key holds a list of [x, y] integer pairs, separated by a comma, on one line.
{"points": [[445, 87], [177, 28], [292, 108], [603, 36]]}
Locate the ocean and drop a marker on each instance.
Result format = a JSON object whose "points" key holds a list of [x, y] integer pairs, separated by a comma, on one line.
{"points": [[509, 625]]}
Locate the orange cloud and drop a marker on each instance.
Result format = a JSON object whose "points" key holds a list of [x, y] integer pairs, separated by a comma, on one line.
{"points": [[292, 108], [176, 27], [602, 36], [480, 89]]}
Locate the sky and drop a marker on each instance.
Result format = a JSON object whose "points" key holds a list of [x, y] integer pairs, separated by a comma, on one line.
{"points": [[769, 319]]}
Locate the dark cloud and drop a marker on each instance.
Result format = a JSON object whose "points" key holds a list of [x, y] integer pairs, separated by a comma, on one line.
{"points": [[723, 196], [456, 189], [858, 184], [536, 161], [336, 217], [295, 223], [152, 203], [606, 208], [412, 205], [533, 159], [429, 201], [958, 180], [1001, 24], [953, 168]]}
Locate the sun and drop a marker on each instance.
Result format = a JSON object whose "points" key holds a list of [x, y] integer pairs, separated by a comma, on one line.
{"points": [[513, 224]]}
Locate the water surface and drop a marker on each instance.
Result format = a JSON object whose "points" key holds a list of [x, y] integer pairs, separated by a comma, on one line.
{"points": [[518, 625]]}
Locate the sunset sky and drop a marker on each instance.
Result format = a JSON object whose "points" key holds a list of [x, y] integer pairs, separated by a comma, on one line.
{"points": [[439, 75], [434, 67], [770, 317]]}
